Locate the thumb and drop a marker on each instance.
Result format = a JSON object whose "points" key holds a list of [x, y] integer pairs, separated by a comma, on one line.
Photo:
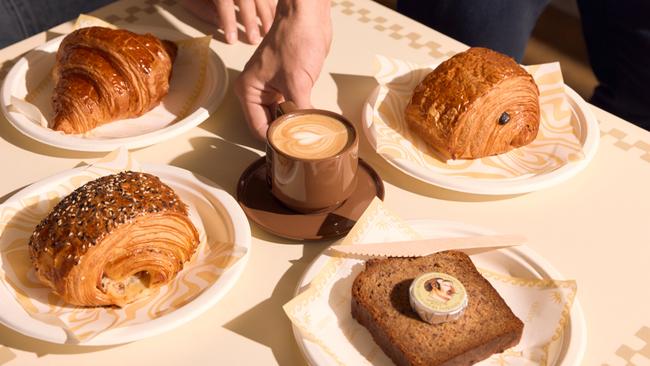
{"points": [[298, 90], [257, 117]]}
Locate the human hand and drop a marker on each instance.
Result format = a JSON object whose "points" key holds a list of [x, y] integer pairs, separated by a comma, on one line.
{"points": [[222, 13], [287, 63]]}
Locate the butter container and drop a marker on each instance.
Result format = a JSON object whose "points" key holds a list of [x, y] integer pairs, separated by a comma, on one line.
{"points": [[438, 297]]}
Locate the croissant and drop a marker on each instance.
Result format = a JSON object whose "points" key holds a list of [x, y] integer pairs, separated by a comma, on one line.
{"points": [[102, 75], [477, 103], [113, 240]]}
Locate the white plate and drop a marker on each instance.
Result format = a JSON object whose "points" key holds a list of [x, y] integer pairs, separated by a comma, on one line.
{"points": [[121, 133], [587, 131], [207, 203], [518, 262]]}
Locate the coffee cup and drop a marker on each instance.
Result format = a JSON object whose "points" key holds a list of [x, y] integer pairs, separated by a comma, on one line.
{"points": [[312, 157]]}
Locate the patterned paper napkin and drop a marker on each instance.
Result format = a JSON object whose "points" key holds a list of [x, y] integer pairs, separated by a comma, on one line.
{"points": [[18, 220], [555, 146], [322, 310], [186, 84]]}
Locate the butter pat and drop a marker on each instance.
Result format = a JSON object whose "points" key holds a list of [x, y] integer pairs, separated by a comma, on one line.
{"points": [[438, 297]]}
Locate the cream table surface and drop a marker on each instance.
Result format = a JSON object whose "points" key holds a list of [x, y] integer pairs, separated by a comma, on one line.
{"points": [[595, 228]]}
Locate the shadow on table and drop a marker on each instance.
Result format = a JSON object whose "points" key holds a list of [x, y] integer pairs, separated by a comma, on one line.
{"points": [[12, 339], [219, 160], [4, 198], [6, 355], [266, 323], [223, 162], [234, 128], [179, 12], [353, 90]]}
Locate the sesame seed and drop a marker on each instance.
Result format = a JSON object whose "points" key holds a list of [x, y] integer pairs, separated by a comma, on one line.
{"points": [[92, 211]]}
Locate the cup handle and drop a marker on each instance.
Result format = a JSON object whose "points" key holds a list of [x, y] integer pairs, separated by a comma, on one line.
{"points": [[284, 108]]}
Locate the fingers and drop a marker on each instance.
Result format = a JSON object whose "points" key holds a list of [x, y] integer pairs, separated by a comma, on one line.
{"points": [[266, 13], [298, 90], [223, 13], [256, 104], [258, 118], [248, 16], [203, 9], [255, 101], [256, 98], [249, 12], [227, 19]]}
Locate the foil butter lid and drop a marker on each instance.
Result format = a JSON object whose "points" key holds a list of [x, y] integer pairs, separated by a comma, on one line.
{"points": [[438, 297]]}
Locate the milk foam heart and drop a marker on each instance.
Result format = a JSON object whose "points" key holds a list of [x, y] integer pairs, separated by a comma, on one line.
{"points": [[311, 136], [306, 137]]}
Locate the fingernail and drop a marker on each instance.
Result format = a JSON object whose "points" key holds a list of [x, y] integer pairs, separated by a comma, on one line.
{"points": [[231, 37], [254, 36]]}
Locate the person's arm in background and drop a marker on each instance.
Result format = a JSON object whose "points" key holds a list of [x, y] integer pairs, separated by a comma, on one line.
{"points": [[287, 63], [222, 13]]}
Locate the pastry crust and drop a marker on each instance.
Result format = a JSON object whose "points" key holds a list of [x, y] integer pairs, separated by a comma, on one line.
{"points": [[457, 108], [102, 75], [113, 240]]}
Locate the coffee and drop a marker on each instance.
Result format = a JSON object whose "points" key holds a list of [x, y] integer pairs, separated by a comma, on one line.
{"points": [[311, 136], [312, 158]]}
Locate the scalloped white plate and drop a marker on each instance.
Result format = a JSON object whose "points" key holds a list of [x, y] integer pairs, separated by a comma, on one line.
{"points": [[517, 261], [130, 132], [588, 134], [208, 205]]}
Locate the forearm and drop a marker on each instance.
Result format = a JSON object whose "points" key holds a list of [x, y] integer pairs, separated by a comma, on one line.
{"points": [[310, 8]]}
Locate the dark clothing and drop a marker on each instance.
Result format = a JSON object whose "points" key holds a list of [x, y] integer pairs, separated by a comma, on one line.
{"points": [[502, 25], [617, 34], [20, 19]]}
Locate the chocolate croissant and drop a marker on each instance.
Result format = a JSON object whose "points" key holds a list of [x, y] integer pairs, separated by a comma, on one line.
{"points": [[102, 75], [477, 103], [113, 240]]}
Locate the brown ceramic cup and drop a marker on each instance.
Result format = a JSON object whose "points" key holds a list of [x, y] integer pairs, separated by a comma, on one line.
{"points": [[310, 166]]}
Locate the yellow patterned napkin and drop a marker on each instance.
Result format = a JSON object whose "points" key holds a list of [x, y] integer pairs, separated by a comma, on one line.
{"points": [[322, 310], [555, 146], [185, 87], [18, 220]]}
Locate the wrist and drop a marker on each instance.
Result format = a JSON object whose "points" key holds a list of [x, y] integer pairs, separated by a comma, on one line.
{"points": [[302, 8], [310, 18]]}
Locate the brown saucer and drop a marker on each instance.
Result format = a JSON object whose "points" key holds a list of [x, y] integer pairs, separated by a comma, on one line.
{"points": [[260, 206]]}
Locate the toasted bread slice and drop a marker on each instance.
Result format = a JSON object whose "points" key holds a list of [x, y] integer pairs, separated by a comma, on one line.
{"points": [[380, 302]]}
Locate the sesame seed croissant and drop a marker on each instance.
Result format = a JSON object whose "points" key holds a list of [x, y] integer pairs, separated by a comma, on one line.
{"points": [[477, 103], [113, 240], [102, 75]]}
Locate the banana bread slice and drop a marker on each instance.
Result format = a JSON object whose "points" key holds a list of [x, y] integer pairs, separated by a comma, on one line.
{"points": [[380, 302]]}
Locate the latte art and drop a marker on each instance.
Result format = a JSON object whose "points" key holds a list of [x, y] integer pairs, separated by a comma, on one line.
{"points": [[311, 136]]}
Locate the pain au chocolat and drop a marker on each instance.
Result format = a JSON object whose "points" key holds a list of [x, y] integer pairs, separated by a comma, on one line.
{"points": [[113, 240], [477, 103]]}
